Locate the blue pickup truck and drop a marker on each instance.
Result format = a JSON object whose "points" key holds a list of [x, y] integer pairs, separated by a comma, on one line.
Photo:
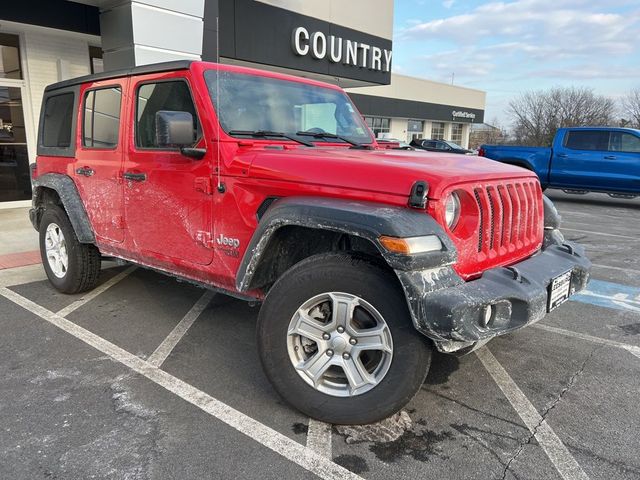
{"points": [[581, 160]]}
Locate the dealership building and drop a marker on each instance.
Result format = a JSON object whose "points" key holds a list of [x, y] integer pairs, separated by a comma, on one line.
{"points": [[347, 43]]}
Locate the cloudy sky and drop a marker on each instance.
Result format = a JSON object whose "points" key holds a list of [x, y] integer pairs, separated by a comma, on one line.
{"points": [[513, 46]]}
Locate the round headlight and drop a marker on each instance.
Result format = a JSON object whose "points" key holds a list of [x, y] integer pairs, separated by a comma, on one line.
{"points": [[452, 210]]}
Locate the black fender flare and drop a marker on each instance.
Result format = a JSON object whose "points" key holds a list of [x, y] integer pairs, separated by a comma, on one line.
{"points": [[363, 219], [71, 201]]}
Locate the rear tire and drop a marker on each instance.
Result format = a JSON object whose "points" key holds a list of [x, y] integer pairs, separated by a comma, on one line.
{"points": [[385, 343], [71, 266]]}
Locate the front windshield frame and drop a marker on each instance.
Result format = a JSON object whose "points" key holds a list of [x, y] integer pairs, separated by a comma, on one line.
{"points": [[345, 113]]}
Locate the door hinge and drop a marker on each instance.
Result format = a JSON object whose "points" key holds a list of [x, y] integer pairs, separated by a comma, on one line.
{"points": [[205, 239], [203, 184]]}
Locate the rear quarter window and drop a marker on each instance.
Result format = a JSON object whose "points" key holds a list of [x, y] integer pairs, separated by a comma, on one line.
{"points": [[57, 120], [57, 127]]}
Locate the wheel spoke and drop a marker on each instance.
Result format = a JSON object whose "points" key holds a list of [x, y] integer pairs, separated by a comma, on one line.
{"points": [[342, 308], [373, 339], [308, 327], [357, 375], [315, 367]]}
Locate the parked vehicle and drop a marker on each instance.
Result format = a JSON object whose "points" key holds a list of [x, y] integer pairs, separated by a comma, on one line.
{"points": [[393, 144], [581, 160], [440, 146], [271, 188]]}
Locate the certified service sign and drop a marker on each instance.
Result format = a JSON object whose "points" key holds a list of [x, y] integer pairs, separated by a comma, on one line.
{"points": [[457, 114], [339, 50]]}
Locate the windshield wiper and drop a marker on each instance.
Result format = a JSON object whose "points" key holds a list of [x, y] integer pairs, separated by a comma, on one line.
{"points": [[267, 133], [332, 135]]}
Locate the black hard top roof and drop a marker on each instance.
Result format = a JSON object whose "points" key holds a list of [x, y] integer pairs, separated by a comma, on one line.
{"points": [[141, 70]]}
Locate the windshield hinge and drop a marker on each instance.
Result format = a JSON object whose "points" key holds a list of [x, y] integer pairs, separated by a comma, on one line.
{"points": [[203, 184], [418, 195]]}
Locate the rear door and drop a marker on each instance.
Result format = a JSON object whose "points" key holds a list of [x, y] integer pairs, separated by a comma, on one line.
{"points": [[168, 202], [578, 161], [623, 161], [99, 156]]}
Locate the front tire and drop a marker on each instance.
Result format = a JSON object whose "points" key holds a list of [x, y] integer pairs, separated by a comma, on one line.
{"points": [[336, 340], [71, 266]]}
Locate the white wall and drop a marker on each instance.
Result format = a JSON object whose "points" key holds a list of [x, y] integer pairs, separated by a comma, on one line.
{"points": [[422, 90], [51, 58]]}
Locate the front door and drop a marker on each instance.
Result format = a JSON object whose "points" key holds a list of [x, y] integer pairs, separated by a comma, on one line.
{"points": [[168, 203], [98, 165]]}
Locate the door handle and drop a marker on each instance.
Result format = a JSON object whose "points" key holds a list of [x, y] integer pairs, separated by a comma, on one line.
{"points": [[86, 171], [135, 177], [562, 155], [609, 157]]}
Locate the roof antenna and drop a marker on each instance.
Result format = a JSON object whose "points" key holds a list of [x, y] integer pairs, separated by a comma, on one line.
{"points": [[220, 185]]}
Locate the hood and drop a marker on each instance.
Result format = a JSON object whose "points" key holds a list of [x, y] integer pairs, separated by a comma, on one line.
{"points": [[383, 171]]}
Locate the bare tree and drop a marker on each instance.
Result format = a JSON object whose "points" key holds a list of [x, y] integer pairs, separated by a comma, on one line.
{"points": [[537, 115], [631, 107]]}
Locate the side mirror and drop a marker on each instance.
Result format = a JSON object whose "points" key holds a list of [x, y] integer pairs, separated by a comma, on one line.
{"points": [[174, 129]]}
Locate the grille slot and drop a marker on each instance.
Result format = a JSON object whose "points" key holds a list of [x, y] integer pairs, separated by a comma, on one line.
{"points": [[508, 217], [481, 226]]}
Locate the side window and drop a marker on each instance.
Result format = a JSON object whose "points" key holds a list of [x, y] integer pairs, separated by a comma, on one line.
{"points": [[587, 140], [58, 119], [101, 118], [154, 97], [624, 142]]}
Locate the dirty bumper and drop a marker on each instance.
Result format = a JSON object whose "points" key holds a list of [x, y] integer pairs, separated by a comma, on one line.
{"points": [[460, 315]]}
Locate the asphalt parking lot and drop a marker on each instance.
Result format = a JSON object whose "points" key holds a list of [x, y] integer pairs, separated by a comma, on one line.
{"points": [[147, 377]]}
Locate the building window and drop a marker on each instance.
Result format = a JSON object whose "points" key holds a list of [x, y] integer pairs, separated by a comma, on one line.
{"points": [[415, 130], [437, 130], [456, 133], [95, 59], [378, 125], [10, 56], [102, 118]]}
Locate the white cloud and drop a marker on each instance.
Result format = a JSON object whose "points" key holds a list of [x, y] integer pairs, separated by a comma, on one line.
{"points": [[525, 35], [448, 3]]}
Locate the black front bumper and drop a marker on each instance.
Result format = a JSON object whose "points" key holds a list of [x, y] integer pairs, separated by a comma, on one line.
{"points": [[453, 313]]}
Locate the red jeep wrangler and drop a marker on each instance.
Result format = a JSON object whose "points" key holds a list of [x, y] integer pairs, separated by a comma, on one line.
{"points": [[271, 188]]}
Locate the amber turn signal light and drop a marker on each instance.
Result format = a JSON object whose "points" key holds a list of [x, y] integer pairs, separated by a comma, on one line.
{"points": [[411, 245]]}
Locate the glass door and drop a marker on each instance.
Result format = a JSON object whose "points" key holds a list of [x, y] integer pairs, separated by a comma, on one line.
{"points": [[15, 180]]}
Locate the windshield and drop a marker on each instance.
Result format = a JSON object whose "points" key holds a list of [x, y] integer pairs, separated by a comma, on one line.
{"points": [[250, 103], [454, 145]]}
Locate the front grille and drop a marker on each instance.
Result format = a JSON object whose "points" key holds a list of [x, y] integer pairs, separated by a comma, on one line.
{"points": [[510, 216]]}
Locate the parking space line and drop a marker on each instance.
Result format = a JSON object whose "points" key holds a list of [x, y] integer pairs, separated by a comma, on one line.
{"points": [[96, 291], [266, 436], [634, 350], [161, 353], [319, 438], [599, 233], [557, 452]]}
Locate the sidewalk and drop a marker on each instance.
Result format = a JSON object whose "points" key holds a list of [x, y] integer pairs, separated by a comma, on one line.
{"points": [[18, 239]]}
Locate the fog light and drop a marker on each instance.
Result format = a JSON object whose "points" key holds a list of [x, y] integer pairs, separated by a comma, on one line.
{"points": [[486, 316]]}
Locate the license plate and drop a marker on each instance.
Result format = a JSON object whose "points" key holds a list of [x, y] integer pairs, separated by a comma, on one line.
{"points": [[559, 290]]}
